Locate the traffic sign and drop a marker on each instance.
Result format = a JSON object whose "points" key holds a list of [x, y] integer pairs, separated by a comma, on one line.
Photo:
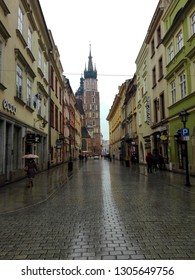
{"points": [[185, 138], [185, 131]]}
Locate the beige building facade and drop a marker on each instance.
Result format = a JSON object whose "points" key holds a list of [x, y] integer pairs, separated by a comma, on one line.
{"points": [[157, 84], [116, 131], [37, 105], [24, 51]]}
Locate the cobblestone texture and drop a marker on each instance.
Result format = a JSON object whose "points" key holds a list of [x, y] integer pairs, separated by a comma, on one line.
{"points": [[105, 211]]}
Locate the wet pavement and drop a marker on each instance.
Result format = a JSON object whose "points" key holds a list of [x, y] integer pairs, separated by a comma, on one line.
{"points": [[101, 210]]}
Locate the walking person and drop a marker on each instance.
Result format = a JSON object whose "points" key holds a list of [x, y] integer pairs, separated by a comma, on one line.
{"points": [[155, 163], [149, 161], [30, 169], [161, 162]]}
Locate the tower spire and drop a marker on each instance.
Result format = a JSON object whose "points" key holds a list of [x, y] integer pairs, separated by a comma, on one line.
{"points": [[90, 63], [90, 72]]}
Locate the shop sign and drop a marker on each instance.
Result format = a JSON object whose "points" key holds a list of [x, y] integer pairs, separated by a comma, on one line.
{"points": [[37, 139], [30, 138], [9, 107], [185, 138], [163, 137], [59, 144], [148, 110]]}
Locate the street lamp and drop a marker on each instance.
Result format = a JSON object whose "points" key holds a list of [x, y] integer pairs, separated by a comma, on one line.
{"points": [[184, 118]]}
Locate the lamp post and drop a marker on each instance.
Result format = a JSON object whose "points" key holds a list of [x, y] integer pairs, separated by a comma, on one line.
{"points": [[184, 118]]}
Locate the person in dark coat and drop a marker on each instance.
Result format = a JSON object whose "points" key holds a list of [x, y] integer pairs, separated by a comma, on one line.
{"points": [[149, 161], [161, 162], [31, 169]]}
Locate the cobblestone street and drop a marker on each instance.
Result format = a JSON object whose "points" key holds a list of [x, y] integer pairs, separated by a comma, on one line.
{"points": [[103, 211]]}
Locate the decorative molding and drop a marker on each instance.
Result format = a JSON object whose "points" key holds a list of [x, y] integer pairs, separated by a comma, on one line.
{"points": [[5, 34], [4, 7]]}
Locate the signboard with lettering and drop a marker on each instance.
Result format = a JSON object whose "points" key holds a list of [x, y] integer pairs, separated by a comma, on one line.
{"points": [[9, 107], [30, 138], [148, 110]]}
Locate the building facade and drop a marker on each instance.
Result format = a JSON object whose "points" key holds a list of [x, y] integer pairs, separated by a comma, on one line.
{"points": [[37, 104], [157, 91], [24, 86], [179, 44], [165, 87]]}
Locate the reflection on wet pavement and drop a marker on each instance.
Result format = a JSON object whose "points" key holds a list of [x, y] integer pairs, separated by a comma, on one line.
{"points": [[105, 211]]}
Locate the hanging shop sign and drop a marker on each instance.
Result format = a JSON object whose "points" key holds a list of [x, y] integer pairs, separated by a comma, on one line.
{"points": [[9, 107], [163, 137], [30, 138], [148, 110], [37, 139], [59, 144]]}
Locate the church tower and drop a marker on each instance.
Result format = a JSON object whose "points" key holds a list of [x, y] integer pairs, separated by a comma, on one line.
{"points": [[88, 92]]}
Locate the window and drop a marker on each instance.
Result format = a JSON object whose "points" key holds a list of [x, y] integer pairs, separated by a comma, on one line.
{"points": [[159, 35], [93, 100], [44, 108], [170, 52], [56, 117], [61, 124], [60, 95], [173, 92], [179, 40], [156, 104], [29, 92], [52, 114], [44, 69], [20, 20], [160, 66], [39, 59], [56, 86], [154, 76], [193, 23], [144, 86], [52, 77], [162, 106], [29, 39], [19, 79], [39, 103], [152, 47], [182, 84], [139, 117]]}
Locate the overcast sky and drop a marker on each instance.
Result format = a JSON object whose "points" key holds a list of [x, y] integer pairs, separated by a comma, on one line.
{"points": [[115, 29]]}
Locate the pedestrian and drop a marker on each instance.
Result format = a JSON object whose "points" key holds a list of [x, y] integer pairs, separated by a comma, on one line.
{"points": [[149, 161], [161, 162], [133, 158], [155, 162], [30, 169]]}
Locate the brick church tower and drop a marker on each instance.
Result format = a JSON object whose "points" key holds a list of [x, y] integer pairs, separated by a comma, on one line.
{"points": [[89, 94]]}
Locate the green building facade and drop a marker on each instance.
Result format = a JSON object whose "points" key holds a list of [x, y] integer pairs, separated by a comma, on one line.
{"points": [[179, 43]]}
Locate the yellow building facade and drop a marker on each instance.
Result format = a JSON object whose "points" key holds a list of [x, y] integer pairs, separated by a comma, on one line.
{"points": [[24, 51], [115, 118], [37, 113]]}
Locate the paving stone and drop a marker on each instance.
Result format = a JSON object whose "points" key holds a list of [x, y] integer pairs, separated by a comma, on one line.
{"points": [[107, 212]]}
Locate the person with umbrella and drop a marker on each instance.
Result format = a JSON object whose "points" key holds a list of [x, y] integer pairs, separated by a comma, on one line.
{"points": [[30, 169]]}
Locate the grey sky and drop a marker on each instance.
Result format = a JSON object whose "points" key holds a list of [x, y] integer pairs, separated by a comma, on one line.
{"points": [[116, 30]]}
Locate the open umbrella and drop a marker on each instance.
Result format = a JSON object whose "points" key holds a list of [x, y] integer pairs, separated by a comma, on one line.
{"points": [[30, 156]]}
